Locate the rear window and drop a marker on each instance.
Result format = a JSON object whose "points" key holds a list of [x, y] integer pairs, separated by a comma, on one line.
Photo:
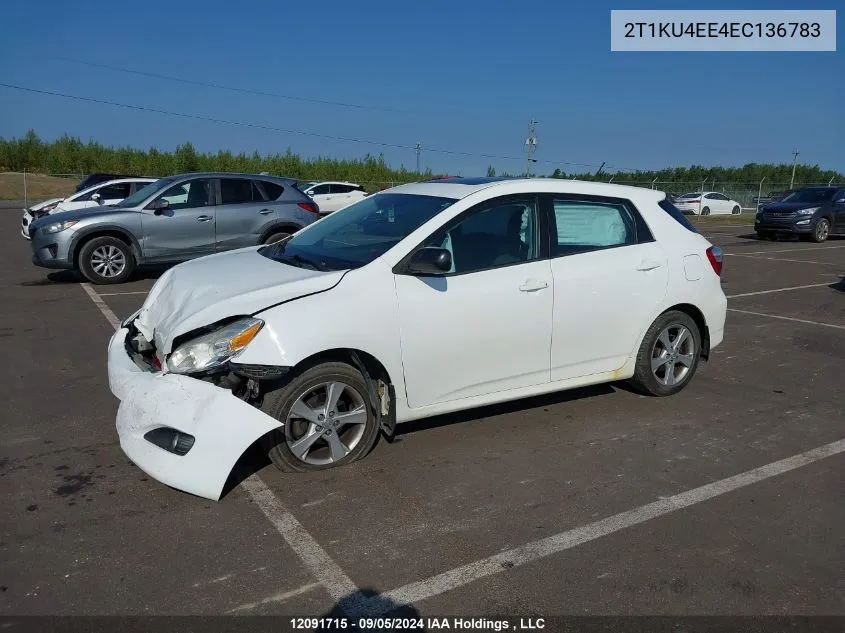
{"points": [[679, 217], [272, 189]]}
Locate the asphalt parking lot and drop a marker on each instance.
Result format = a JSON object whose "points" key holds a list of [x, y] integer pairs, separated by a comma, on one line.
{"points": [[727, 499]]}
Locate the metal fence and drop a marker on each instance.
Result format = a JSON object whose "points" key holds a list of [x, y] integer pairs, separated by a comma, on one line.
{"points": [[29, 188]]}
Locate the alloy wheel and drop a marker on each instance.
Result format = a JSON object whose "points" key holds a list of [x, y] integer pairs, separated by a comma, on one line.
{"points": [[108, 261], [673, 355]]}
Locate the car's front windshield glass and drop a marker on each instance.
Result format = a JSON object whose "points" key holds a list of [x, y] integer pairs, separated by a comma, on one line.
{"points": [[810, 195], [142, 194], [358, 234]]}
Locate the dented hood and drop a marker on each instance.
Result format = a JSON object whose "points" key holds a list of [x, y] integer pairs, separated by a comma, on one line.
{"points": [[203, 291]]}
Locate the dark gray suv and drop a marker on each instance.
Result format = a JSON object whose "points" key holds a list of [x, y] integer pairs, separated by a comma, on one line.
{"points": [[812, 213], [171, 220]]}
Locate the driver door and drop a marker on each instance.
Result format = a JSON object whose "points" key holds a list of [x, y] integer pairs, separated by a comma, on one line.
{"points": [[183, 230], [485, 326]]}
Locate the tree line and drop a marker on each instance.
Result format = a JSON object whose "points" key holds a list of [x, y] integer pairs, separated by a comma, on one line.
{"points": [[70, 155]]}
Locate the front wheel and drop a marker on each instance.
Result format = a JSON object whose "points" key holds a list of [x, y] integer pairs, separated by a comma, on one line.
{"points": [[822, 230], [736, 210], [326, 418], [668, 356], [106, 260]]}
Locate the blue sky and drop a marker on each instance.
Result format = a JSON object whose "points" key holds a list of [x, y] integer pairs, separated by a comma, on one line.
{"points": [[464, 76]]}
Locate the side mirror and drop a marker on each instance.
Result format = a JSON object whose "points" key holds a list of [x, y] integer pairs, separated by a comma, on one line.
{"points": [[96, 198], [160, 205], [430, 261]]}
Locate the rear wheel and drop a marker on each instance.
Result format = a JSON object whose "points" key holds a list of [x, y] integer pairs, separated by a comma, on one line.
{"points": [[326, 418], [276, 237], [821, 231], [106, 260], [668, 356], [705, 211]]}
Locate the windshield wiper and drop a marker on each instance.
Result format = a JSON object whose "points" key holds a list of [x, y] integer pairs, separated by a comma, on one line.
{"points": [[300, 261]]}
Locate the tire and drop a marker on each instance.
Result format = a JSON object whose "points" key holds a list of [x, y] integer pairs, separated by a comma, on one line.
{"points": [[275, 237], [821, 231], [307, 389], [736, 210], [705, 211], [653, 382], [106, 260]]}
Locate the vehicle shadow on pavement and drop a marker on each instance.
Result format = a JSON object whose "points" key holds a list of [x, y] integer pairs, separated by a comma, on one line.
{"points": [[839, 285], [504, 408], [364, 605], [73, 277]]}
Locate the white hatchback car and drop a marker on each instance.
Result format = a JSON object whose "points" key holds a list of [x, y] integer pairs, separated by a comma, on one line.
{"points": [[102, 194], [419, 300], [332, 196], [707, 203]]}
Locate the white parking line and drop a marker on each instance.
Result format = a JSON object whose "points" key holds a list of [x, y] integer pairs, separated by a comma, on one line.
{"points": [[792, 250], [785, 318], [766, 292], [115, 294], [781, 259], [436, 585], [316, 559], [111, 317]]}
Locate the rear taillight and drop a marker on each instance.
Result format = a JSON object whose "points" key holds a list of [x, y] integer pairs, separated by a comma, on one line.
{"points": [[309, 206], [714, 255]]}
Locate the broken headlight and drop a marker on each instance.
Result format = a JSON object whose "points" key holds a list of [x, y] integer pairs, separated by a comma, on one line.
{"points": [[215, 348]]}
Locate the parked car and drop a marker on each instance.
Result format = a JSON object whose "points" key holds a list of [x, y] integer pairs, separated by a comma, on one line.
{"points": [[331, 196], [467, 293], [812, 213], [36, 210], [170, 220], [95, 179], [103, 194], [707, 203]]}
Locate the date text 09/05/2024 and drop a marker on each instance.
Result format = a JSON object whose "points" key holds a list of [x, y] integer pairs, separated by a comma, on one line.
{"points": [[420, 624]]}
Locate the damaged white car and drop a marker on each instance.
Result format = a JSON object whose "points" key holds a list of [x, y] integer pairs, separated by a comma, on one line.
{"points": [[420, 300]]}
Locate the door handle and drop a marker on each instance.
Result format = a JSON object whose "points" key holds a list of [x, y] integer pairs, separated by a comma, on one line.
{"points": [[265, 211], [648, 264], [203, 218], [532, 285]]}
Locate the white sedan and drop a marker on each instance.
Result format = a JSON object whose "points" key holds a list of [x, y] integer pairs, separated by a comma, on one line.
{"points": [[333, 196], [707, 203], [101, 194], [417, 301]]}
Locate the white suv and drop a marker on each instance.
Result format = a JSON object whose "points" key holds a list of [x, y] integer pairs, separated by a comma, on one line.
{"points": [[332, 196]]}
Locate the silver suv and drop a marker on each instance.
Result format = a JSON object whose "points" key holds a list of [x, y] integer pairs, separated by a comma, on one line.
{"points": [[171, 220]]}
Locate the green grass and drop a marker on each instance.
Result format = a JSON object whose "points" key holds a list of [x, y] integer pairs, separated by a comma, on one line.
{"points": [[746, 217], [38, 186]]}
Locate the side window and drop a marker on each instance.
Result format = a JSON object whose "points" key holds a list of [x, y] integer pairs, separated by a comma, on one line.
{"points": [[712, 196], [340, 188], [186, 195], [118, 191], [137, 186], [320, 190], [583, 226], [235, 190], [496, 234], [272, 189]]}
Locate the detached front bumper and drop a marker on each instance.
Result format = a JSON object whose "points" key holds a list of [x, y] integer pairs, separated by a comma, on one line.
{"points": [[222, 426]]}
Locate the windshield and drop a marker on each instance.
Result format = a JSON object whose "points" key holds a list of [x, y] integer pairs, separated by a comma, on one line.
{"points": [[688, 196], [810, 195], [142, 194], [358, 234]]}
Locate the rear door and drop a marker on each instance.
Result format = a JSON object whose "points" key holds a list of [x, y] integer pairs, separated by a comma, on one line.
{"points": [[185, 229], [609, 278], [322, 195], [342, 195], [243, 213]]}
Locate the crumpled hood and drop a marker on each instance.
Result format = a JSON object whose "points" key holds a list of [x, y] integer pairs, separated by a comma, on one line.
{"points": [[203, 291]]}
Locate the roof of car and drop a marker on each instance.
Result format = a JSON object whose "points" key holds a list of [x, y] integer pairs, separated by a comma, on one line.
{"points": [[226, 174], [462, 187]]}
